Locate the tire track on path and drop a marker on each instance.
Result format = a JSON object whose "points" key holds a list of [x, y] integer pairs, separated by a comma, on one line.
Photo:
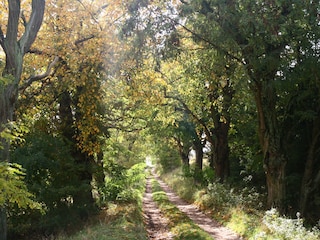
{"points": [[217, 231], [156, 223]]}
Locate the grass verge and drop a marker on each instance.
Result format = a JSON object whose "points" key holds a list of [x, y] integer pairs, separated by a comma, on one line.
{"points": [[120, 219], [118, 222], [180, 225]]}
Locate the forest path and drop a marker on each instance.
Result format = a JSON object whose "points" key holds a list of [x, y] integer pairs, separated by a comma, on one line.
{"points": [[157, 224]]}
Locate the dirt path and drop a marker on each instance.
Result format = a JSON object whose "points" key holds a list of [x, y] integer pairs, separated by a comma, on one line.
{"points": [[157, 224]]}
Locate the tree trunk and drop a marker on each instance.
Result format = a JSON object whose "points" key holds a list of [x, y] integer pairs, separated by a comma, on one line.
{"points": [[274, 159], [198, 147], [83, 198], [98, 175], [220, 133], [6, 115], [221, 152], [275, 175], [7, 101], [3, 224], [308, 183], [65, 115], [14, 51], [183, 152]]}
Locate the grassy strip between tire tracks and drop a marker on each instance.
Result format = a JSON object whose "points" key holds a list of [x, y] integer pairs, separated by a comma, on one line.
{"points": [[180, 225]]}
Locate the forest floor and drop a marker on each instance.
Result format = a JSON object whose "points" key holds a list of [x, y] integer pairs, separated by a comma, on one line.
{"points": [[157, 224]]}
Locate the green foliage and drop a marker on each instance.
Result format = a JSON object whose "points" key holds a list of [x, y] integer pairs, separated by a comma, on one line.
{"points": [[5, 80], [245, 223], [219, 196], [236, 208], [216, 196], [14, 132], [13, 189], [52, 177], [204, 177], [167, 155], [123, 185], [181, 184]]}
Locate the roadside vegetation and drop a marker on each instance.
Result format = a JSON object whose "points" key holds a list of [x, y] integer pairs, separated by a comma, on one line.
{"points": [[240, 209], [116, 222], [121, 215]]}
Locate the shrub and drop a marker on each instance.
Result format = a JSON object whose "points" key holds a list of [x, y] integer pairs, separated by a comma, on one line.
{"points": [[184, 186], [125, 185], [51, 176]]}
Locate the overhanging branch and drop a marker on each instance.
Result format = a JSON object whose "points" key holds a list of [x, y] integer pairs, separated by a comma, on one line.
{"points": [[212, 44], [192, 114], [40, 76]]}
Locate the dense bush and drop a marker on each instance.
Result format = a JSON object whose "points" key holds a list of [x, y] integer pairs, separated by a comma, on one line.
{"points": [[52, 177], [219, 196], [121, 184]]}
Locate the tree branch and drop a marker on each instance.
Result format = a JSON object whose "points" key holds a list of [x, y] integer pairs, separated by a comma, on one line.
{"points": [[1, 38], [212, 44], [40, 76], [13, 21], [79, 41], [188, 111], [33, 26], [24, 20]]}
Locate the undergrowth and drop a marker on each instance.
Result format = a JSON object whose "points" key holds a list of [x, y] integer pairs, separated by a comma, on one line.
{"points": [[117, 222], [239, 209], [121, 216], [180, 225]]}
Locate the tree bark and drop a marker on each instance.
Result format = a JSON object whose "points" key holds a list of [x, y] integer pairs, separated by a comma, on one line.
{"points": [[274, 160], [198, 147], [221, 152], [14, 51], [219, 134], [309, 182], [183, 152]]}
